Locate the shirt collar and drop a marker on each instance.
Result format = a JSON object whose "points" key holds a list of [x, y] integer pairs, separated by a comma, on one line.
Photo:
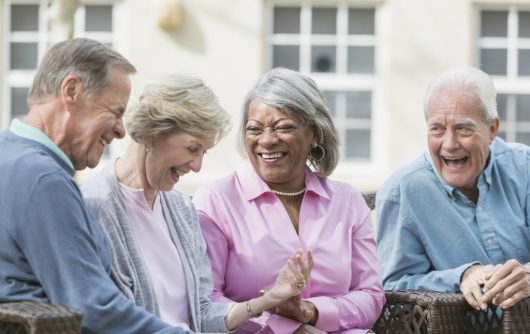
{"points": [[253, 186], [27, 131], [484, 177]]}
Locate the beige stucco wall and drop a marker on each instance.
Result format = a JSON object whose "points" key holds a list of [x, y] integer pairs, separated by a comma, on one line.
{"points": [[420, 39]]}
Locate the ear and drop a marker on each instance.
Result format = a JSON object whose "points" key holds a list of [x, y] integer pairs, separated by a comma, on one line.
{"points": [[493, 128], [71, 89]]}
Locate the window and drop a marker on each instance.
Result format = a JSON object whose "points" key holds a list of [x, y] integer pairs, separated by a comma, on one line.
{"points": [[336, 46], [504, 52], [27, 39]]}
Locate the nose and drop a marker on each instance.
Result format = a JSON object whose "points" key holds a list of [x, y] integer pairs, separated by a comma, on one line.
{"points": [[268, 137], [119, 129], [449, 140], [196, 163]]}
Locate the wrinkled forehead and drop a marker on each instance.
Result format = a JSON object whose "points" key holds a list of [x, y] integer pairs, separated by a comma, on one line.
{"points": [[455, 102]]}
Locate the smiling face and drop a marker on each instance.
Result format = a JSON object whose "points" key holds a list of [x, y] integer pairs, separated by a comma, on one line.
{"points": [[277, 146], [458, 137], [172, 156], [96, 121]]}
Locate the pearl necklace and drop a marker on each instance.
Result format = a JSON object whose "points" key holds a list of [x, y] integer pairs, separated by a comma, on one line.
{"points": [[281, 193]]}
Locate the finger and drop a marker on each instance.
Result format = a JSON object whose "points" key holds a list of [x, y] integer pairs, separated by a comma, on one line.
{"points": [[504, 285], [299, 280], [310, 261], [499, 273], [514, 299], [473, 295], [518, 285]]}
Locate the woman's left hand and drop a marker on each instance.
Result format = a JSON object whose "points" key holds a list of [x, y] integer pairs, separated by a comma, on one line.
{"points": [[293, 278], [300, 310]]}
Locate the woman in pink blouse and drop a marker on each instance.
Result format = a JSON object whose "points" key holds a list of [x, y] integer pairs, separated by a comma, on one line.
{"points": [[274, 204]]}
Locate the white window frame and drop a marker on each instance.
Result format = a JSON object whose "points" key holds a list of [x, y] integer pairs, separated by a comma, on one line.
{"points": [[24, 78], [341, 80], [512, 83]]}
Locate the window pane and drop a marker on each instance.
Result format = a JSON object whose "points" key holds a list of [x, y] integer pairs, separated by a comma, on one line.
{"points": [[286, 56], [524, 62], [19, 106], [23, 56], [331, 97], [493, 61], [324, 21], [359, 105], [98, 18], [522, 107], [524, 24], [323, 58], [361, 59], [361, 22], [522, 137], [358, 143], [502, 99], [24, 18], [286, 20], [494, 23]]}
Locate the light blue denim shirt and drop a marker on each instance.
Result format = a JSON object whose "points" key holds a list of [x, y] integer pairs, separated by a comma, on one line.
{"points": [[428, 232]]}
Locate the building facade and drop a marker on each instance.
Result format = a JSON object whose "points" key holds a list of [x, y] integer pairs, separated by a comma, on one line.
{"points": [[372, 58]]}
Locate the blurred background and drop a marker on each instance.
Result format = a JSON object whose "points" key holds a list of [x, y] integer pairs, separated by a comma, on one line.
{"points": [[372, 58]]}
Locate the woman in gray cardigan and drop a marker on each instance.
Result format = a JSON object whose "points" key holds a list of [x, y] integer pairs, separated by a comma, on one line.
{"points": [[160, 258]]}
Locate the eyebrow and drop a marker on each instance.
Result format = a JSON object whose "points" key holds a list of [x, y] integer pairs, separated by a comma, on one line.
{"points": [[273, 123], [466, 122]]}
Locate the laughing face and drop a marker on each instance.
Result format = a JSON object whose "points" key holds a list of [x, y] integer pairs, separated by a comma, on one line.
{"points": [[458, 137], [277, 146], [172, 156], [95, 122]]}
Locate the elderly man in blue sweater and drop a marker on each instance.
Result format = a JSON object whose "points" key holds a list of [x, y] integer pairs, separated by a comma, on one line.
{"points": [[51, 250], [457, 218]]}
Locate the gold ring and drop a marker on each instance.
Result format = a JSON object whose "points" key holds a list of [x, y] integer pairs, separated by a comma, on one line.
{"points": [[301, 284]]}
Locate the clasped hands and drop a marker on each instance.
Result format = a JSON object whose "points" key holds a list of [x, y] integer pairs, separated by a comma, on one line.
{"points": [[288, 287], [502, 284]]}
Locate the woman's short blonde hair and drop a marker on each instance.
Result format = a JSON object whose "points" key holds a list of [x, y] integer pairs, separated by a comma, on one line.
{"points": [[177, 104]]}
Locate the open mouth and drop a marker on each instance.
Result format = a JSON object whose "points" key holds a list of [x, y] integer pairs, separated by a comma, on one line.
{"points": [[176, 172], [455, 161], [103, 141], [272, 157]]}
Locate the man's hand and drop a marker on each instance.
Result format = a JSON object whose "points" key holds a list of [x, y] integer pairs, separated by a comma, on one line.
{"points": [[472, 279], [507, 285]]}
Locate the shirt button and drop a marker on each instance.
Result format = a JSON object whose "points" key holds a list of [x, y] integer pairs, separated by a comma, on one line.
{"points": [[490, 241]]}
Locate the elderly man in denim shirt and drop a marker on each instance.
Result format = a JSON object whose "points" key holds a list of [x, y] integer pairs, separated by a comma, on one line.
{"points": [[457, 217]]}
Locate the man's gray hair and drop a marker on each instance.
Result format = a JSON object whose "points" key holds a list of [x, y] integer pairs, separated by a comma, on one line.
{"points": [[177, 104], [86, 58], [298, 96], [471, 80]]}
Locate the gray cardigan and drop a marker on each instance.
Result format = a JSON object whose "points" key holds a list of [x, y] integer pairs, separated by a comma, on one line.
{"points": [[105, 201]]}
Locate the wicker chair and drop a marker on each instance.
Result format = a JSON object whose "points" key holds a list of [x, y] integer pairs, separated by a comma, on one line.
{"points": [[414, 311], [38, 318]]}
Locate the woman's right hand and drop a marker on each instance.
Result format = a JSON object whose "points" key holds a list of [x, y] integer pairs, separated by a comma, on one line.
{"points": [[293, 277]]}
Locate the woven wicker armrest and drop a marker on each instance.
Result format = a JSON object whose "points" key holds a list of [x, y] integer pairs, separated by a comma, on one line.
{"points": [[517, 318], [38, 318], [413, 311]]}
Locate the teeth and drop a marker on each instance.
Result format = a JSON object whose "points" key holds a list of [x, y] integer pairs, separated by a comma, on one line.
{"points": [[271, 156], [177, 171], [103, 141], [454, 159]]}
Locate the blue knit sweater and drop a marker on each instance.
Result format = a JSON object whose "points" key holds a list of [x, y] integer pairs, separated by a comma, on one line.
{"points": [[51, 250]]}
